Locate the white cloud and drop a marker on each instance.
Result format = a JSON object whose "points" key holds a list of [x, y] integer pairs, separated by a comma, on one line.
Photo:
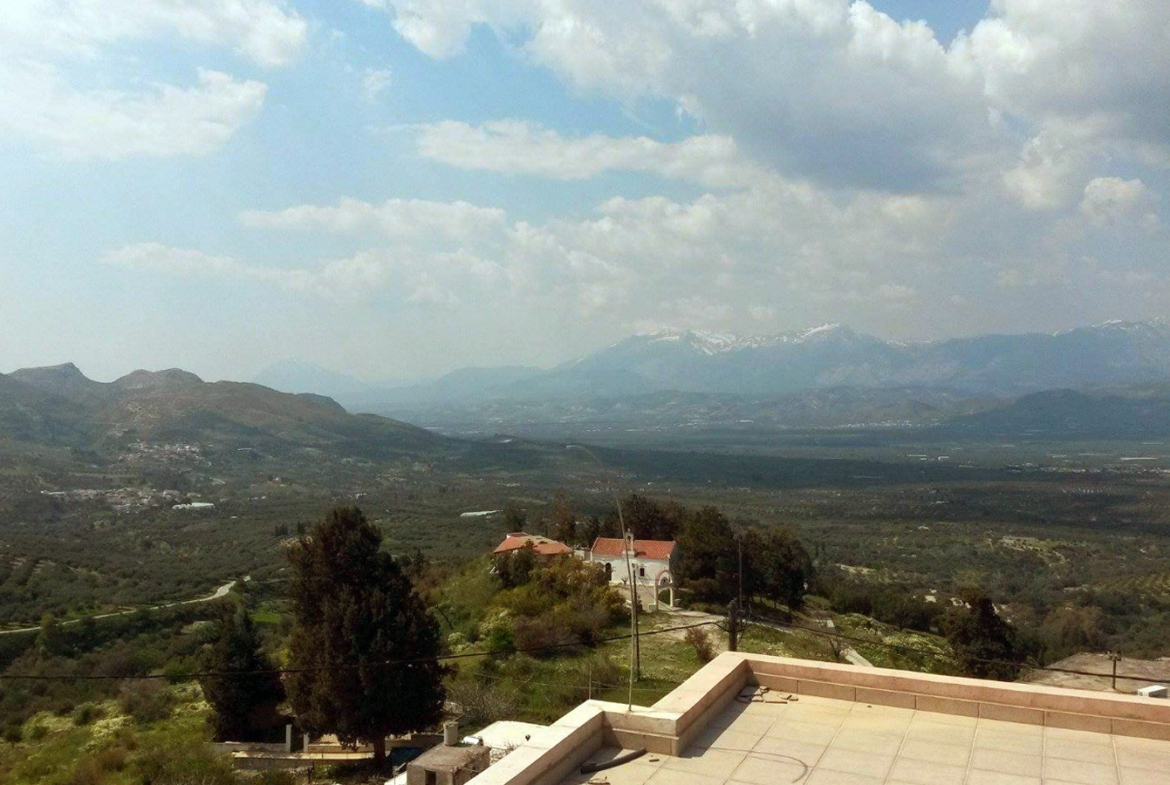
{"points": [[426, 278], [395, 219], [374, 83], [265, 31], [842, 93], [1111, 201], [515, 147], [46, 44], [1045, 175], [156, 257], [38, 106], [828, 89], [1082, 62]]}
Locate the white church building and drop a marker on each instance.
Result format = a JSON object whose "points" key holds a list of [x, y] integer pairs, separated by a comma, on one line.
{"points": [[652, 561]]}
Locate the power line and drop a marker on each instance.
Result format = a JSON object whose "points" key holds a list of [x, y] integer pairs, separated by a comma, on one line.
{"points": [[326, 668]]}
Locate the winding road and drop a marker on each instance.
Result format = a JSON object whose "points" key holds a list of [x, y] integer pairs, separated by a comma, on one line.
{"points": [[219, 593]]}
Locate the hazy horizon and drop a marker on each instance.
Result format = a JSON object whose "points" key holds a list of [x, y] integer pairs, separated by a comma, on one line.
{"points": [[393, 189], [404, 381]]}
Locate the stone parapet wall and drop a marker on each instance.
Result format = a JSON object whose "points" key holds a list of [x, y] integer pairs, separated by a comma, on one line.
{"points": [[669, 726]]}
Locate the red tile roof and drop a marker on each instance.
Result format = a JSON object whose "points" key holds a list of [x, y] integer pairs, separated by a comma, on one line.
{"points": [[644, 549], [543, 546]]}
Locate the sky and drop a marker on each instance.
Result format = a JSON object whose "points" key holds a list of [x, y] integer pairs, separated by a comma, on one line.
{"points": [[397, 188]]}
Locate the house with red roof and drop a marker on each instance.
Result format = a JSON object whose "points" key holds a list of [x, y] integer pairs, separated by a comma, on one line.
{"points": [[542, 547], [652, 560]]}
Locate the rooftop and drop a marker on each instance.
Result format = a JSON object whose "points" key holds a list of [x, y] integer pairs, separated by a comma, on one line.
{"points": [[748, 719], [543, 546], [822, 740], [446, 757], [647, 549]]}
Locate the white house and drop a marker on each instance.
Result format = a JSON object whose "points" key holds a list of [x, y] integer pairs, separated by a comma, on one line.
{"points": [[650, 559]]}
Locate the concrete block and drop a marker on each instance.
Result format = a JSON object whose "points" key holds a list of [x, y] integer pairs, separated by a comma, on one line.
{"points": [[902, 700], [938, 705], [997, 711], [1087, 722], [842, 692]]}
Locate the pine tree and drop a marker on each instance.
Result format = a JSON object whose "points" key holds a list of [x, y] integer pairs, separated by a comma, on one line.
{"points": [[355, 614], [709, 562], [246, 704]]}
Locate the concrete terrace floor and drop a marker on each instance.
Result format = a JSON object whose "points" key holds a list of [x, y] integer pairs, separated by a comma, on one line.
{"points": [[820, 741]]}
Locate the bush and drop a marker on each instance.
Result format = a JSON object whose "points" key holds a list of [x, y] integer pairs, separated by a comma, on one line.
{"points": [[700, 640], [541, 632], [145, 701], [13, 734], [481, 705], [37, 732], [87, 713], [273, 778], [87, 772], [192, 765], [112, 758]]}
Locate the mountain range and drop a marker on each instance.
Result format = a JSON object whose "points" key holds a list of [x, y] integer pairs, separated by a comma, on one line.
{"points": [[58, 405], [803, 363], [1109, 378]]}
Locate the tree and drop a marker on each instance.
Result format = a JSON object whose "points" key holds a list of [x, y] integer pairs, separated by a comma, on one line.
{"points": [[590, 531], [563, 520], [245, 704], [362, 637], [986, 645], [515, 518], [709, 559], [647, 519], [49, 636], [515, 568], [777, 566]]}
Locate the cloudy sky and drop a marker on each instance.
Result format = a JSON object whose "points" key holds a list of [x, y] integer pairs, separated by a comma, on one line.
{"points": [[395, 188]]}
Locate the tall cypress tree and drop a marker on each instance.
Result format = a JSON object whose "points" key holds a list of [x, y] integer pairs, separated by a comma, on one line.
{"points": [[355, 612], [246, 704], [985, 645]]}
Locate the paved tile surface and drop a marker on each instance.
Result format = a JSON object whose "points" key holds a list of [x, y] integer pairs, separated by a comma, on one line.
{"points": [[818, 741]]}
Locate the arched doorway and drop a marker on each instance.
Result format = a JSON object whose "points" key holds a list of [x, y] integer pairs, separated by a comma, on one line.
{"points": [[664, 580]]}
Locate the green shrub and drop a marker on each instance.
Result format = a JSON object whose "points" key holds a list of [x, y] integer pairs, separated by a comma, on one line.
{"points": [[88, 771], [145, 700], [700, 641], [187, 765], [87, 713], [37, 732], [112, 758], [13, 734]]}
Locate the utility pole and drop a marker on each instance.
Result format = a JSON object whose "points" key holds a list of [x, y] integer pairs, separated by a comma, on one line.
{"points": [[1116, 658], [733, 626], [634, 610], [739, 539], [627, 546]]}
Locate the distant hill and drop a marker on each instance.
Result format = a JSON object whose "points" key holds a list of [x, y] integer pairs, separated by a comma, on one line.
{"points": [[1133, 413], [298, 376], [65, 381], [28, 414], [60, 405]]}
